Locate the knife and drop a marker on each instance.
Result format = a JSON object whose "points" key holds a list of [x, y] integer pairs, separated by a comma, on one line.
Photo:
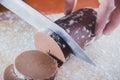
{"points": [[38, 20]]}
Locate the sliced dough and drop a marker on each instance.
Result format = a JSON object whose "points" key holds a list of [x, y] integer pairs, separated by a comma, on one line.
{"points": [[46, 44]]}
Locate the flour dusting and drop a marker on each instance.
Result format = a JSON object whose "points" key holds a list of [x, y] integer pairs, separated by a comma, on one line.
{"points": [[16, 36]]}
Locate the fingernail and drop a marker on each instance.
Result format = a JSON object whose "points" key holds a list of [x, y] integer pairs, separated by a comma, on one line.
{"points": [[106, 33], [98, 33]]}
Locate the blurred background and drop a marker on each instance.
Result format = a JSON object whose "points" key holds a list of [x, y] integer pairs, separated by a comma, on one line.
{"points": [[56, 6]]}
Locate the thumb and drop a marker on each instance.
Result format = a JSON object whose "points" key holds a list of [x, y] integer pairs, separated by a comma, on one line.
{"points": [[69, 6]]}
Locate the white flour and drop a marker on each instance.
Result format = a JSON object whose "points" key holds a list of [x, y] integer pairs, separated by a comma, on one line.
{"points": [[16, 36]]}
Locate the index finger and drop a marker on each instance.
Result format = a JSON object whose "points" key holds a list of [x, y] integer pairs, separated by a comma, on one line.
{"points": [[105, 9]]}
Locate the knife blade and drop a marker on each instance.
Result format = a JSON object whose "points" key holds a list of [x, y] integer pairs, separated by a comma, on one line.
{"points": [[38, 20]]}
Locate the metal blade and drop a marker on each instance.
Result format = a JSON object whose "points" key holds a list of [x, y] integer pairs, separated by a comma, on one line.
{"points": [[38, 20]]}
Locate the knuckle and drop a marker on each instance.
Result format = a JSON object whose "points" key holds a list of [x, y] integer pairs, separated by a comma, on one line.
{"points": [[111, 5]]}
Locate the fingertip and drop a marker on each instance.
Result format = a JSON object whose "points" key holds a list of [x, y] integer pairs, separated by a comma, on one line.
{"points": [[67, 12], [107, 32], [98, 33], [69, 6]]}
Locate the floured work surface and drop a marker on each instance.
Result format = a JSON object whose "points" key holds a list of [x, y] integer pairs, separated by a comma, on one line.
{"points": [[17, 36]]}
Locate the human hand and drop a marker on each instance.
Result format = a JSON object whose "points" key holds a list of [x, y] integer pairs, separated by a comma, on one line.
{"points": [[108, 16], [70, 5]]}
